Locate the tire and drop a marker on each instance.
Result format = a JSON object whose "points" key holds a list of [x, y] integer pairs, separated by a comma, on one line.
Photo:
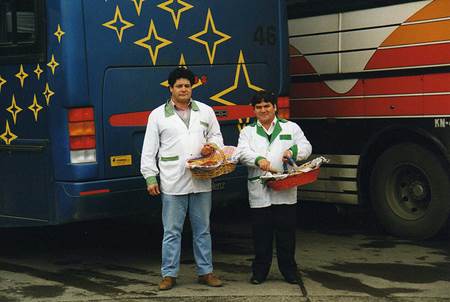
{"points": [[409, 191]]}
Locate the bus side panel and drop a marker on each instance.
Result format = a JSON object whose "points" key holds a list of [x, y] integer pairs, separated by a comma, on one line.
{"points": [[68, 81], [24, 184], [25, 166]]}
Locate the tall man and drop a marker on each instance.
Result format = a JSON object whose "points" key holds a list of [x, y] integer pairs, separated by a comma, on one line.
{"points": [[264, 146], [178, 130]]}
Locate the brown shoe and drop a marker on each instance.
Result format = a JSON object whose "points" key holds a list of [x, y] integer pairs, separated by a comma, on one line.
{"points": [[210, 280], [167, 283]]}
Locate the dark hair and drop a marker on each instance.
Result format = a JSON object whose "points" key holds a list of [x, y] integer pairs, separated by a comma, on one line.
{"points": [[264, 96], [181, 73]]}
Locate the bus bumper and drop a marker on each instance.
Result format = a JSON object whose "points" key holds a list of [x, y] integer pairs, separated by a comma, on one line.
{"points": [[102, 199]]}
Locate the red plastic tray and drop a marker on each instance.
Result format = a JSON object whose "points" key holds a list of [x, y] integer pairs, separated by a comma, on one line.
{"points": [[294, 180]]}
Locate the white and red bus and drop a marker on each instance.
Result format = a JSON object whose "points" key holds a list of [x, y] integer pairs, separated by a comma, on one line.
{"points": [[370, 86]]}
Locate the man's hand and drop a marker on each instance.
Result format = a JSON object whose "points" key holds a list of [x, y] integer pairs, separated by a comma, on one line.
{"points": [[207, 150], [153, 189], [286, 155], [264, 164]]}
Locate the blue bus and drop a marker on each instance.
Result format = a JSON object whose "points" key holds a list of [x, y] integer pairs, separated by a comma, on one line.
{"points": [[78, 79]]}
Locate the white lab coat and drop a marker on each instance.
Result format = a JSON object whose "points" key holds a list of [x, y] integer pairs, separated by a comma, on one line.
{"points": [[170, 143], [254, 144]]}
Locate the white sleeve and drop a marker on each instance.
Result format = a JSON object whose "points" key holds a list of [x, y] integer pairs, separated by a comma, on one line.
{"points": [[150, 148], [244, 151], [214, 135], [304, 147]]}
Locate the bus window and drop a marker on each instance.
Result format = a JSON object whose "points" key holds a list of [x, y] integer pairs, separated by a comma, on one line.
{"points": [[19, 29]]}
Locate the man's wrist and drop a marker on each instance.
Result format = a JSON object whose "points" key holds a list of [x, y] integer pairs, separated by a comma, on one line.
{"points": [[259, 158], [151, 180]]}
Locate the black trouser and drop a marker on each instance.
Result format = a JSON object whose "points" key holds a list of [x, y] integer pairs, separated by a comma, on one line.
{"points": [[278, 220]]}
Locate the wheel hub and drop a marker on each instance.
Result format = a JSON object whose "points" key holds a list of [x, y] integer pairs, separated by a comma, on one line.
{"points": [[417, 190], [409, 189]]}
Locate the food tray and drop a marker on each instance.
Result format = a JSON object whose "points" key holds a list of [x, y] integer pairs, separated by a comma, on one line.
{"points": [[294, 180]]}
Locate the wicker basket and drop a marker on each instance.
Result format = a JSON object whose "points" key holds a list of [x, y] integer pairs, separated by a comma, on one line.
{"points": [[208, 173], [294, 180]]}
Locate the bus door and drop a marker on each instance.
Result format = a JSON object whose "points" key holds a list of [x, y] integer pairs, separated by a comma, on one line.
{"points": [[24, 142]]}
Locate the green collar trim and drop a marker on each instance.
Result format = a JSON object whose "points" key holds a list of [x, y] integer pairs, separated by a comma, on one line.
{"points": [[260, 131], [194, 106], [276, 131], [169, 110]]}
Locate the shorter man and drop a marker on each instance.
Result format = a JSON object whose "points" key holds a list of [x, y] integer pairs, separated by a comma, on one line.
{"points": [[178, 130], [264, 146]]}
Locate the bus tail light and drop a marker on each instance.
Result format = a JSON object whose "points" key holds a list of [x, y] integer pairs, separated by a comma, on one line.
{"points": [[283, 107], [82, 135]]}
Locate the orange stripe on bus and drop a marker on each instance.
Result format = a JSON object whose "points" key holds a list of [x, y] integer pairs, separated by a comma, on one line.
{"points": [[419, 33], [434, 10]]}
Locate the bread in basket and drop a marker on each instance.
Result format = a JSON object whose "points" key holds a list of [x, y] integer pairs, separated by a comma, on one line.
{"points": [[220, 162]]}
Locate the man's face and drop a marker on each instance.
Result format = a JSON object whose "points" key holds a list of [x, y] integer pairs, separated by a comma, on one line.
{"points": [[181, 91], [265, 112]]}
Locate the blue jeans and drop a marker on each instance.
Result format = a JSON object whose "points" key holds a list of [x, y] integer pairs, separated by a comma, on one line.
{"points": [[173, 215]]}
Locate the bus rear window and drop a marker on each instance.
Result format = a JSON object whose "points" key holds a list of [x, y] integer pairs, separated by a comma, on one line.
{"points": [[19, 28]]}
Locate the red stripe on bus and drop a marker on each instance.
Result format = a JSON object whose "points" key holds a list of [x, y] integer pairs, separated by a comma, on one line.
{"points": [[129, 119], [436, 104], [299, 65], [378, 86], [394, 85], [438, 82], [226, 113], [410, 105], [327, 108], [321, 89], [411, 56], [384, 106], [234, 112], [94, 192]]}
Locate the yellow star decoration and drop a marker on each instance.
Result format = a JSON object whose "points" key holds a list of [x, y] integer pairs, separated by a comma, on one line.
{"points": [[241, 64], [2, 82], [138, 6], [175, 17], [8, 136], [182, 63], [120, 26], [53, 64], [21, 75], [35, 107], [152, 32], [210, 22], [38, 71], [59, 33], [218, 97], [14, 109], [48, 94], [241, 124]]}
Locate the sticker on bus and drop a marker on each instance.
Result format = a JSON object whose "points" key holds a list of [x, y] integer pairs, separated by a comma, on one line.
{"points": [[121, 160]]}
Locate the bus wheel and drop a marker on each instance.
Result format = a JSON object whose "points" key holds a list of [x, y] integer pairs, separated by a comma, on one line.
{"points": [[409, 191]]}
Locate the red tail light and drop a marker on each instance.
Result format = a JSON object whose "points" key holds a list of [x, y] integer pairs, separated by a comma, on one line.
{"points": [[82, 135]]}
